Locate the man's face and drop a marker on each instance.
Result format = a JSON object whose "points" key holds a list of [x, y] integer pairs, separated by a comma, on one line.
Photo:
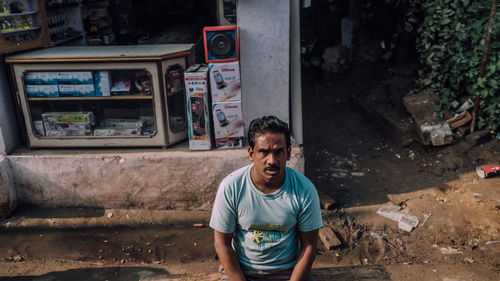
{"points": [[269, 155]]}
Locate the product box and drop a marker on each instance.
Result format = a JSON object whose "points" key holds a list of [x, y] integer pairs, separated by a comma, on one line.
{"points": [[229, 142], [228, 124], [67, 121], [80, 117], [225, 81], [47, 91], [148, 125], [38, 127], [65, 126], [41, 78], [68, 133], [102, 83], [107, 132], [198, 107], [75, 77], [121, 123], [76, 90]]}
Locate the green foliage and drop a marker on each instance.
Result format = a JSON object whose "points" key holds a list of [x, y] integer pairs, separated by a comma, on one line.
{"points": [[450, 42]]}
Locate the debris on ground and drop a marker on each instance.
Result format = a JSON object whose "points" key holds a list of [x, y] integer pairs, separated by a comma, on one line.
{"points": [[328, 237], [450, 251], [405, 221], [326, 202], [488, 170]]}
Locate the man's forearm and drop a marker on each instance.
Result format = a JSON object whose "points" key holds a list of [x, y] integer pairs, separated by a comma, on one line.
{"points": [[229, 262], [304, 264]]}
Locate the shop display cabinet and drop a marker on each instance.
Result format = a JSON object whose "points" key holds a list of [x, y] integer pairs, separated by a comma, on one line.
{"points": [[23, 25], [102, 96]]}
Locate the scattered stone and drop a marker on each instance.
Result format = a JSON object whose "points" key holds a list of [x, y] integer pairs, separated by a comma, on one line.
{"points": [[477, 137], [437, 134], [328, 237], [326, 202], [430, 129], [426, 217], [450, 251], [405, 221]]}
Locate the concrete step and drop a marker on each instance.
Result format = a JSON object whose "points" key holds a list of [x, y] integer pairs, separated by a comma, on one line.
{"points": [[74, 218]]}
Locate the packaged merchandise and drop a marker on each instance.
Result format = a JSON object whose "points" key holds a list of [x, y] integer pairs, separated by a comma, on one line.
{"points": [[75, 77], [40, 78], [121, 123], [228, 123], [198, 108], [76, 90], [102, 83], [107, 132], [120, 86], [48, 91], [38, 128], [73, 118], [148, 125], [68, 133], [225, 81], [65, 126], [229, 142]]}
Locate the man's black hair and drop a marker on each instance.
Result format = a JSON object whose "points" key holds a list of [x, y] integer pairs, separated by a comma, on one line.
{"points": [[267, 124]]}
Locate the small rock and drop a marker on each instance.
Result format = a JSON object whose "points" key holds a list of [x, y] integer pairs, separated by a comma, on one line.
{"points": [[477, 137]]}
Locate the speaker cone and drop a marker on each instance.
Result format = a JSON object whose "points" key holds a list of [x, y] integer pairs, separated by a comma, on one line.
{"points": [[221, 45]]}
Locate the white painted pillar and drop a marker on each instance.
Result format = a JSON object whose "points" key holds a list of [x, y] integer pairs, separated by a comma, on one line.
{"points": [[264, 34], [295, 76]]}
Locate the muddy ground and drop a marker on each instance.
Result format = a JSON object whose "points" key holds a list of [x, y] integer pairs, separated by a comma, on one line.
{"points": [[349, 159]]}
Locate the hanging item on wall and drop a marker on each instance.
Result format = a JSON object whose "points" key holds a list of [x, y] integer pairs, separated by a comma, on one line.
{"points": [[221, 43]]}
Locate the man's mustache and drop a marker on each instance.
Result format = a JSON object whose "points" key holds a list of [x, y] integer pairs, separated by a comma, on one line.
{"points": [[272, 167]]}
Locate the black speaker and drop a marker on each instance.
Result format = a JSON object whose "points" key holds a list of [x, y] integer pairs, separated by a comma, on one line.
{"points": [[221, 43]]}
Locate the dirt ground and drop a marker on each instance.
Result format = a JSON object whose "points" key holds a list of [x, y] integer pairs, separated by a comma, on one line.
{"points": [[348, 159]]}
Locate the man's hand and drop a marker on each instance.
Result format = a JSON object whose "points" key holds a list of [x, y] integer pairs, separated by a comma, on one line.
{"points": [[227, 256], [308, 249]]}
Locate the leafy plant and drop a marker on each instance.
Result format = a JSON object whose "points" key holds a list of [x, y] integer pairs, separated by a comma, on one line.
{"points": [[450, 42]]}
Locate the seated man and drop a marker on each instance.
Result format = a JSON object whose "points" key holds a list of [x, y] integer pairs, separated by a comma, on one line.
{"points": [[266, 216]]}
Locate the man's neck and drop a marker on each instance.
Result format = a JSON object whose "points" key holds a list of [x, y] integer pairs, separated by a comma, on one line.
{"points": [[266, 187]]}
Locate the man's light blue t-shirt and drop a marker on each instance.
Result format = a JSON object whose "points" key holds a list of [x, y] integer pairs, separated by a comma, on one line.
{"points": [[266, 225]]}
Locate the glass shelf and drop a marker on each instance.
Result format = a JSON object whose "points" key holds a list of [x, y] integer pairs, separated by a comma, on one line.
{"points": [[19, 31], [15, 15]]}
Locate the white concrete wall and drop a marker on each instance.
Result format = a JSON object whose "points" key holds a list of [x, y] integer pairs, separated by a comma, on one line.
{"points": [[128, 179], [8, 196], [9, 134], [264, 35]]}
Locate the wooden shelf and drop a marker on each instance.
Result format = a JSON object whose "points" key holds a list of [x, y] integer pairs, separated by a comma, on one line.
{"points": [[93, 98], [15, 15], [16, 31]]}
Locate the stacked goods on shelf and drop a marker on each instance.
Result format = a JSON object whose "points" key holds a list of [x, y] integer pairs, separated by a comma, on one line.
{"points": [[76, 84], [226, 104], [59, 84], [86, 84], [126, 83], [102, 83], [41, 84], [13, 19], [63, 124], [198, 107], [119, 127]]}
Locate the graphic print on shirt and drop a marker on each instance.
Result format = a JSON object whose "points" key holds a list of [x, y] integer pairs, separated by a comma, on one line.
{"points": [[264, 236]]}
